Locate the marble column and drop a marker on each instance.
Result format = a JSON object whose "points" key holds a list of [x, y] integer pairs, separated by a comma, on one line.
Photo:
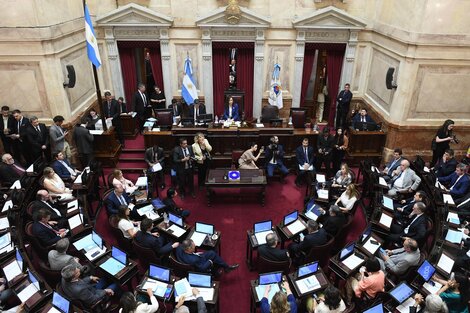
{"points": [[258, 72], [207, 70], [114, 64], [166, 66], [299, 68], [349, 57]]}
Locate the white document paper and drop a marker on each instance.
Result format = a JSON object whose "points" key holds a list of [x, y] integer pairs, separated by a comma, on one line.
{"points": [[454, 236], [72, 204], [426, 169], [182, 288], [96, 132], [30, 169], [405, 306], [12, 270], [439, 185], [75, 221], [432, 289], [382, 182], [141, 181], [206, 293], [259, 125], [296, 227], [156, 129], [156, 167], [158, 287], [90, 255], [152, 215], [307, 284], [322, 193], [321, 178], [453, 218], [198, 238], [53, 310], [85, 243], [445, 263], [4, 224], [7, 205], [311, 215], [352, 261], [260, 291], [148, 208], [310, 168], [130, 206], [448, 199], [133, 114], [176, 230], [78, 180], [261, 236], [16, 185], [385, 220], [27, 293], [371, 247]]}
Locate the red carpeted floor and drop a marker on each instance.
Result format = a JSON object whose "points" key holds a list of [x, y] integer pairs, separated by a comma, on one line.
{"points": [[233, 217]]}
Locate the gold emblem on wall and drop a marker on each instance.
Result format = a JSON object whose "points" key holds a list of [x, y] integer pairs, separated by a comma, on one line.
{"points": [[233, 12]]}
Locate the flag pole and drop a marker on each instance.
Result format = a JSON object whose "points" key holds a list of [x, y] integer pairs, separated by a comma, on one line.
{"points": [[97, 87]]}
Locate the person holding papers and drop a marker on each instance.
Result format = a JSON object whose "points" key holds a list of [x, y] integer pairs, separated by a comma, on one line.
{"points": [[325, 146], [128, 227], [455, 293], [45, 230], [348, 198], [154, 157], [405, 181], [58, 258], [202, 152], [88, 290], [129, 303], [390, 169], [205, 261], [402, 212], [458, 182], [63, 168], [281, 302], [398, 261], [304, 154], [369, 280], [334, 220], [170, 204], [44, 201], [330, 302], [10, 171], [118, 178], [316, 237], [159, 244], [231, 111], [415, 228], [269, 250], [201, 305], [115, 199], [55, 185]]}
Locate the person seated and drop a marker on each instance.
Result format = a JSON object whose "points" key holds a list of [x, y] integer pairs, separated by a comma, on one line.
{"points": [[63, 168], [463, 256], [5, 295], [334, 220], [330, 302], [414, 228], [176, 108], [58, 258], [10, 171], [127, 227], [269, 250], [315, 237], [304, 154], [115, 199], [196, 109], [446, 165], [343, 177], [348, 198], [391, 169], [403, 211], [118, 179], [129, 303], [281, 301], [202, 261], [44, 201], [248, 158], [170, 204], [231, 111], [455, 292], [201, 305], [45, 230], [363, 121], [405, 181], [370, 280], [432, 303], [398, 261], [88, 290], [91, 119], [274, 154], [55, 185], [458, 182], [159, 244]]}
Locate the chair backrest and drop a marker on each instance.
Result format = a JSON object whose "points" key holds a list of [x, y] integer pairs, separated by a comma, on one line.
{"points": [[321, 253], [299, 117], [236, 154], [268, 113], [29, 210], [52, 277], [110, 180], [39, 248], [340, 238], [179, 269], [123, 242], [164, 117], [146, 255], [265, 266]]}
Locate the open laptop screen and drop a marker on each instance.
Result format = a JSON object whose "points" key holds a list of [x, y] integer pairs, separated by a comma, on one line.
{"points": [[60, 302], [97, 239], [175, 219], [388, 202], [426, 270], [401, 292], [291, 217], [119, 255], [160, 273], [205, 228], [346, 251], [379, 308], [270, 278], [263, 226], [307, 269], [200, 280]]}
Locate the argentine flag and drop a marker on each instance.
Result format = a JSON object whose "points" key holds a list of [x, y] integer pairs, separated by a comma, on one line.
{"points": [[188, 91], [91, 43]]}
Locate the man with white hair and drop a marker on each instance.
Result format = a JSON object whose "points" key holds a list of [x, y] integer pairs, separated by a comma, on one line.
{"points": [[201, 305], [405, 180], [10, 171]]}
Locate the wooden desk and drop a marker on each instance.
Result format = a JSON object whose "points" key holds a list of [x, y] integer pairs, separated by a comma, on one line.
{"points": [[248, 179], [129, 126], [209, 243], [372, 236], [122, 277], [107, 148], [212, 305], [321, 277], [285, 232], [37, 299], [162, 227], [341, 270], [366, 144], [252, 244]]}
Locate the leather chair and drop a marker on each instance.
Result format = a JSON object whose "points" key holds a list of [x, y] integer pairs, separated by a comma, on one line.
{"points": [[110, 180], [39, 248], [100, 306], [236, 154], [180, 269], [340, 238], [53, 277], [266, 266], [146, 256], [268, 113], [410, 273], [299, 117], [164, 118], [321, 253], [123, 243]]}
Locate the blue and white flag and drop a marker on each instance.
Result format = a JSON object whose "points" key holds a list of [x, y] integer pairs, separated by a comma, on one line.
{"points": [[275, 92], [188, 90], [91, 43]]}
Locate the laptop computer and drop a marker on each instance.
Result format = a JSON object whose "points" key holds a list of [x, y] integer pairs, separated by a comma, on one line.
{"points": [[270, 278], [313, 211], [387, 203], [119, 255], [290, 218], [204, 228], [401, 292], [378, 308], [159, 273], [426, 270], [175, 219], [307, 269], [261, 229], [346, 252], [366, 234], [59, 304], [200, 280], [98, 241], [116, 263]]}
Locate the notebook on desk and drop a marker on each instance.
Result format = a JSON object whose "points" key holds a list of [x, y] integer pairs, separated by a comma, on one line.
{"points": [[59, 304], [116, 263], [201, 231], [261, 230]]}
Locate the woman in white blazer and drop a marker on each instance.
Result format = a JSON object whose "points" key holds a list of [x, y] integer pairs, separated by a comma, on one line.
{"points": [[202, 152]]}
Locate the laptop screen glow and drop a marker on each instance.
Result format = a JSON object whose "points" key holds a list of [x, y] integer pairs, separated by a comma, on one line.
{"points": [[263, 226]]}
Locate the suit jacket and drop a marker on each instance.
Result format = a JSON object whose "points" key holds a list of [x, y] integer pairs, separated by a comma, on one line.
{"points": [[10, 124], [177, 109], [417, 229], [444, 169], [202, 110], [150, 156], [36, 139], [57, 260], [300, 155], [461, 188], [333, 224], [150, 241], [326, 144], [113, 111], [392, 165], [344, 98], [312, 240], [7, 174], [278, 158], [138, 103], [37, 205], [400, 261], [57, 138], [61, 170], [24, 124], [357, 120], [83, 139], [113, 204], [411, 180], [235, 113], [273, 254], [178, 155], [46, 236], [83, 290], [199, 261]]}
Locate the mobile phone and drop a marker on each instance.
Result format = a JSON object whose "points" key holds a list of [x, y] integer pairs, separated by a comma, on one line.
{"points": [[382, 251], [315, 297], [167, 292], [301, 236], [375, 242]]}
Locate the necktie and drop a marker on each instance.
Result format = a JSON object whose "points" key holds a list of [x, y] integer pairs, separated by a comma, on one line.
{"points": [[185, 154], [109, 108], [18, 169], [37, 128], [306, 155], [122, 200], [363, 119]]}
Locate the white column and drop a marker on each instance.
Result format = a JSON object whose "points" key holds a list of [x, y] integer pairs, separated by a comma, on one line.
{"points": [[349, 57], [258, 73], [207, 70], [114, 64], [166, 66], [299, 68]]}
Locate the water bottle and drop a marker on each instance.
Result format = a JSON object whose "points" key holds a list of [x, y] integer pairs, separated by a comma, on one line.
{"points": [[165, 219], [216, 120], [290, 120]]}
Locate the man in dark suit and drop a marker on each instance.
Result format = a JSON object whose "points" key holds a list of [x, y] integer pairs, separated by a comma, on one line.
{"points": [[140, 103], [122, 106], [115, 199], [415, 228], [316, 237], [176, 107], [363, 121], [44, 229], [196, 109], [37, 139], [334, 221], [183, 157], [274, 156], [63, 168], [269, 250], [390, 169], [18, 135], [305, 157], [155, 155], [325, 146], [159, 244], [403, 211], [446, 165], [84, 142], [9, 170], [6, 125], [44, 201], [112, 110], [458, 182], [203, 262], [342, 106]]}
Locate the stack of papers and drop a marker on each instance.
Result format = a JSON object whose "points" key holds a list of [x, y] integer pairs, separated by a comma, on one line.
{"points": [[158, 287], [385, 220], [261, 236], [198, 238], [352, 261], [176, 230], [296, 227], [260, 291], [307, 284]]}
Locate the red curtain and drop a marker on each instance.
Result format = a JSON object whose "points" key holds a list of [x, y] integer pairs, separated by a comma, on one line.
{"points": [[129, 73], [245, 72], [309, 57], [334, 64], [156, 64]]}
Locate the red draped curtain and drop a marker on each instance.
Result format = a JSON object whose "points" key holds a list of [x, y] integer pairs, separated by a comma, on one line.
{"points": [[156, 63], [309, 57], [245, 72], [129, 73]]}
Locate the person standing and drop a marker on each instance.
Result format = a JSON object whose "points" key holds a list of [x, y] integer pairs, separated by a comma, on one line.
{"points": [[84, 141], [202, 152], [153, 156], [112, 111], [57, 137], [342, 103], [442, 141], [321, 103], [6, 125], [341, 142], [304, 155], [183, 157], [157, 99], [19, 134], [37, 139], [140, 103], [325, 148]]}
